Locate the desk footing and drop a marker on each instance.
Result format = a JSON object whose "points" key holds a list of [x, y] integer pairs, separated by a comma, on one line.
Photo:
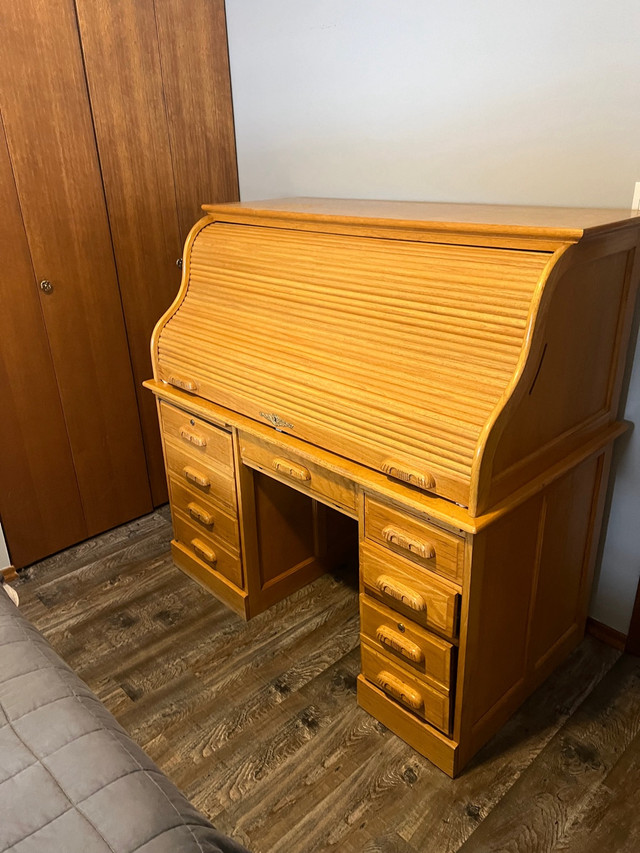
{"points": [[233, 597], [422, 737]]}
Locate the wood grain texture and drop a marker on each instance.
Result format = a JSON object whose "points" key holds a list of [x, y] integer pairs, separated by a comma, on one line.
{"points": [[559, 223], [291, 763], [300, 474], [453, 328], [51, 141], [192, 42], [615, 639], [38, 481], [443, 365], [551, 410], [475, 387], [416, 539], [119, 43], [450, 516], [167, 70]]}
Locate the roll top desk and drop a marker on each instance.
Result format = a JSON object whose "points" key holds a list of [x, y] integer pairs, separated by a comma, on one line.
{"points": [[444, 379]]}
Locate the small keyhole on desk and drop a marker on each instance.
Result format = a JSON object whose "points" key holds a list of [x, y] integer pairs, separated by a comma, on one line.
{"points": [[192, 422]]}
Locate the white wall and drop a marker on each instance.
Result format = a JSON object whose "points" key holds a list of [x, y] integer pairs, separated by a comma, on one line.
{"points": [[502, 101]]}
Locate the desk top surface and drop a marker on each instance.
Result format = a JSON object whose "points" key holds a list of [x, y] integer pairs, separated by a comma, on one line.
{"points": [[568, 222]]}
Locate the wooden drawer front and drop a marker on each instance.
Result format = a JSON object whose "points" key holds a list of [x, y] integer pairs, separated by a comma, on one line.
{"points": [[207, 549], [203, 478], [417, 594], [408, 690], [202, 440], [204, 513], [300, 473], [406, 643], [425, 544]]}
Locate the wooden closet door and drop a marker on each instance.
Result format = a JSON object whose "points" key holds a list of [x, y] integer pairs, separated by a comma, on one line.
{"points": [[158, 76], [52, 147], [192, 35], [40, 504]]}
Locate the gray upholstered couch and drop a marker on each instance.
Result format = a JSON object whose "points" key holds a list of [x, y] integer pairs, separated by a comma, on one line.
{"points": [[71, 779]]}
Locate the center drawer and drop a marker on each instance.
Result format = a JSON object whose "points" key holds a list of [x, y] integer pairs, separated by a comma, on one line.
{"points": [[300, 473]]}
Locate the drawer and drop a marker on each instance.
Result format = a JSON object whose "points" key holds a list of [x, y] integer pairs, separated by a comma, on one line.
{"points": [[300, 473], [207, 549], [406, 588], [203, 441], [408, 690], [203, 512], [424, 543], [406, 643], [205, 479]]}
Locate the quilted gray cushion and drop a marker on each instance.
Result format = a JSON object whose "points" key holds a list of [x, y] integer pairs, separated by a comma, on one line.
{"points": [[71, 779]]}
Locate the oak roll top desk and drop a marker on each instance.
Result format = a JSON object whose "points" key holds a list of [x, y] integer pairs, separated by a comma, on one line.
{"points": [[437, 385]]}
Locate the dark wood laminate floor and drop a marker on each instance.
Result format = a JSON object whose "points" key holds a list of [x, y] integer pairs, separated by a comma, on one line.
{"points": [[257, 723]]}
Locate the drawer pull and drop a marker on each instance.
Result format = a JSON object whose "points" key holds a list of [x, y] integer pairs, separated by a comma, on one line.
{"points": [[414, 478], [195, 477], [182, 382], [399, 644], [204, 552], [194, 437], [200, 514], [399, 690], [290, 469], [415, 546], [404, 594]]}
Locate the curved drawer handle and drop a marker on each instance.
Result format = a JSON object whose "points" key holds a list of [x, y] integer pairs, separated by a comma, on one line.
{"points": [[196, 512], [404, 594], [204, 552], [411, 651], [183, 382], [399, 690], [421, 479], [196, 477], [193, 437], [290, 469], [416, 546]]}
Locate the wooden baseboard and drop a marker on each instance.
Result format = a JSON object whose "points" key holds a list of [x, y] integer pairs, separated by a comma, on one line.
{"points": [[9, 574], [608, 635]]}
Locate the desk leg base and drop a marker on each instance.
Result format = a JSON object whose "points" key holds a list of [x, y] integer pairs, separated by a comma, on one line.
{"points": [[223, 589], [422, 737]]}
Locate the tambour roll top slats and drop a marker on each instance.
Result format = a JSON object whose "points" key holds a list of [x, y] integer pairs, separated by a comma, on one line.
{"points": [[390, 352]]}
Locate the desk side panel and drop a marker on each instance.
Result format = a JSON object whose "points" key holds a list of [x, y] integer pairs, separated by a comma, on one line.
{"points": [[570, 389], [530, 580]]}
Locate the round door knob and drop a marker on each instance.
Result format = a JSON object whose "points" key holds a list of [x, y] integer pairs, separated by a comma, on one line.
{"points": [[179, 263], [46, 286]]}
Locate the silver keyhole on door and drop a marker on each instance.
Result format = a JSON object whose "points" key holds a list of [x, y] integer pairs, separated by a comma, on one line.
{"points": [[46, 286]]}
